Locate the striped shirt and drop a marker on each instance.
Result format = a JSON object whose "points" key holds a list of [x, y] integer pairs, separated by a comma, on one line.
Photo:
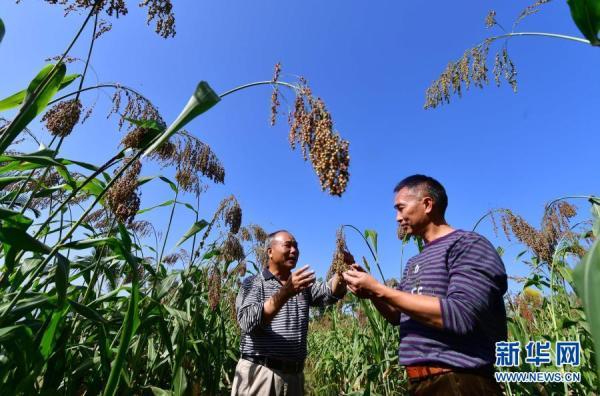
{"points": [[285, 336], [464, 270]]}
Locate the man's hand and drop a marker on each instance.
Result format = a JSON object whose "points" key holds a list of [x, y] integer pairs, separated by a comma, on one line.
{"points": [[360, 282], [298, 281]]}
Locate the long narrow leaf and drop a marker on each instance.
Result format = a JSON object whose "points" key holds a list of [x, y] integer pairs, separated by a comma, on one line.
{"points": [[202, 100], [587, 283], [16, 99], [194, 229], [43, 87]]}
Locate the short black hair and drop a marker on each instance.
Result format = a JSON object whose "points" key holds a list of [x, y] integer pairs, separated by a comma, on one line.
{"points": [[433, 188]]}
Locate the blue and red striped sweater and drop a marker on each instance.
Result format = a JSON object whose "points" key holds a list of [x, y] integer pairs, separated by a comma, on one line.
{"points": [[464, 270]]}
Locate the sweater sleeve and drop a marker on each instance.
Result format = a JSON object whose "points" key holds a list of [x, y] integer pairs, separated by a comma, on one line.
{"points": [[477, 278], [249, 304]]}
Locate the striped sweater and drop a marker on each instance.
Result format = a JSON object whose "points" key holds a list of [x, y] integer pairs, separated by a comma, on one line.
{"points": [[464, 270], [285, 337]]}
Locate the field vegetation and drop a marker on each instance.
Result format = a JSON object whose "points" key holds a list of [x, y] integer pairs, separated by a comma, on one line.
{"points": [[93, 301]]}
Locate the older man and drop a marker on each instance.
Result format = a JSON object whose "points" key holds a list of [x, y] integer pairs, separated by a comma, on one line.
{"points": [[449, 304], [272, 311]]}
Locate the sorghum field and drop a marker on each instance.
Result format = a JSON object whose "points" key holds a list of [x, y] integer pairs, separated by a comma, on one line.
{"points": [[93, 300]]}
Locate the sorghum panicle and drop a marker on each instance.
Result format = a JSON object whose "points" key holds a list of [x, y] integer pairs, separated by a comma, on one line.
{"points": [[311, 127], [122, 198], [62, 117], [275, 95]]}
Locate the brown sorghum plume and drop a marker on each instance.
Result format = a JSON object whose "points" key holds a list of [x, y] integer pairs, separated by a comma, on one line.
{"points": [[142, 228], [529, 10], [490, 19], [275, 95], [214, 288], [470, 69], [240, 270], [504, 67], [161, 10], [338, 264], [221, 213], [245, 234], [103, 27], [193, 157], [260, 235], [122, 198], [400, 232], [260, 252], [137, 107], [543, 242], [311, 127], [233, 216], [232, 249], [170, 259], [136, 137], [62, 117]]}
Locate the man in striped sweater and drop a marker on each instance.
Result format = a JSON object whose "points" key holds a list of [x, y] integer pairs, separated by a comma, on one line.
{"points": [[272, 311], [449, 303]]}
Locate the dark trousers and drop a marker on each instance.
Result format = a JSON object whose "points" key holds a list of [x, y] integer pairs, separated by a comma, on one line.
{"points": [[456, 384]]}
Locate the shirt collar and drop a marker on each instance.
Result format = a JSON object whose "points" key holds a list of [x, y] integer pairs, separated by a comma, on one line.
{"points": [[267, 274]]}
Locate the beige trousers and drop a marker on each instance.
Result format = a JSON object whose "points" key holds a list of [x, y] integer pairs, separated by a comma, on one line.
{"points": [[252, 379]]}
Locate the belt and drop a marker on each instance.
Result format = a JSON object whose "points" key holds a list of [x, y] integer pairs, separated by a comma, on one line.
{"points": [[284, 366], [420, 372]]}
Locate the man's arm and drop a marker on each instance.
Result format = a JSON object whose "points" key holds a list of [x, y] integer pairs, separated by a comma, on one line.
{"points": [[425, 309], [298, 281], [390, 302], [391, 314]]}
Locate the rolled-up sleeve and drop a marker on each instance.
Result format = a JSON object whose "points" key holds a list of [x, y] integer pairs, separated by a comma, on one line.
{"points": [[477, 279], [321, 294], [249, 304]]}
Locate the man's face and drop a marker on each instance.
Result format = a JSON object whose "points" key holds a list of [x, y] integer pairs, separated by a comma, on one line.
{"points": [[412, 210], [284, 251]]}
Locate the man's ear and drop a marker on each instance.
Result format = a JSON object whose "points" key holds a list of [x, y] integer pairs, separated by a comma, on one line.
{"points": [[428, 202], [269, 250]]}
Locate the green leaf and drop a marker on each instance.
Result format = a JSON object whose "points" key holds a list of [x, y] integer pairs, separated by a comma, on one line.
{"points": [[2, 30], [40, 91], [596, 214], [127, 332], [587, 284], [202, 100], [166, 203], [87, 312], [16, 99], [5, 181], [22, 240], [194, 229], [15, 219], [586, 15], [371, 236], [47, 343], [160, 392], [27, 305], [88, 243]]}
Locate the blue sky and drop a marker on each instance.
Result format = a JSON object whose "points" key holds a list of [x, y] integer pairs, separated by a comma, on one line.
{"points": [[371, 62]]}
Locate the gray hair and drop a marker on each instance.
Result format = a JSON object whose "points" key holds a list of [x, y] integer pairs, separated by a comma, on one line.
{"points": [[272, 236]]}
